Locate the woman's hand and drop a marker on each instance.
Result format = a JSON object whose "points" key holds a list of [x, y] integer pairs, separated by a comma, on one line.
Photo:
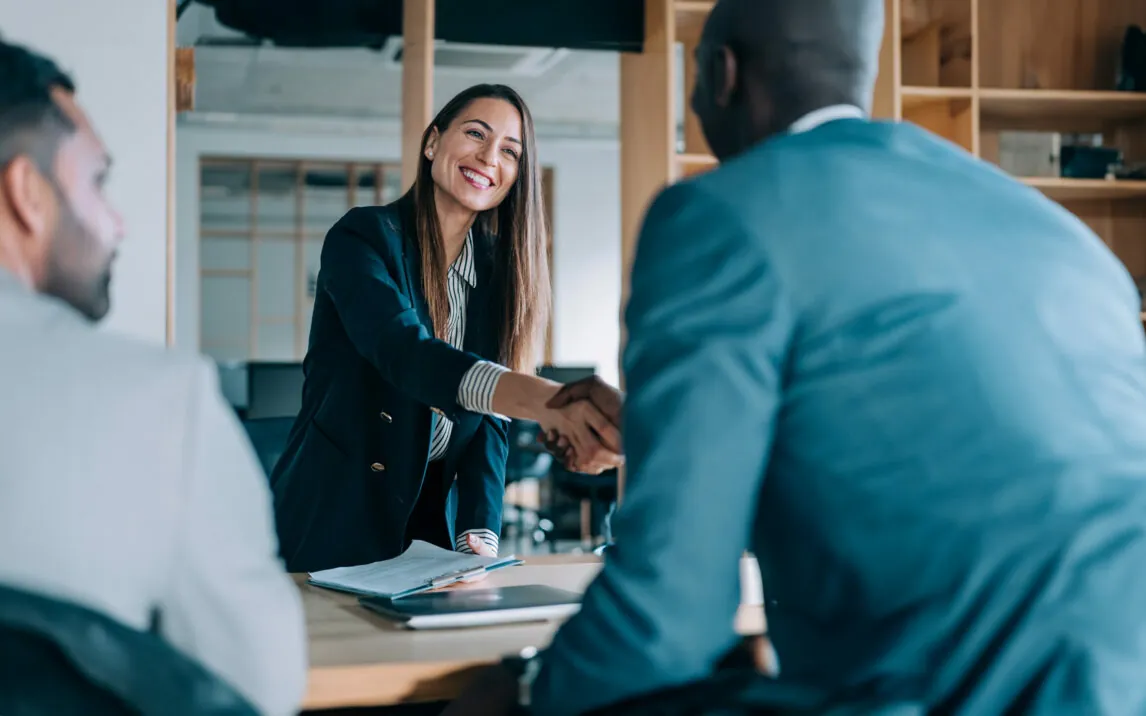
{"points": [[480, 548], [594, 442], [605, 397], [594, 439]]}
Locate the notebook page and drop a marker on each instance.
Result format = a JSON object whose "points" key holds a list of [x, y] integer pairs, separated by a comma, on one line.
{"points": [[416, 566]]}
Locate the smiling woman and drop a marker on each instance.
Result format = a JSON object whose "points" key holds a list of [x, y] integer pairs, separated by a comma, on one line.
{"points": [[424, 309], [473, 154]]}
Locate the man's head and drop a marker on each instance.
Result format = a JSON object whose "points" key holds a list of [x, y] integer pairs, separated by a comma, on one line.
{"points": [[762, 64], [58, 232]]}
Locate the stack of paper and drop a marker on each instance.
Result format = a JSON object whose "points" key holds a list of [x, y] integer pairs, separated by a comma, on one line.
{"points": [[420, 568]]}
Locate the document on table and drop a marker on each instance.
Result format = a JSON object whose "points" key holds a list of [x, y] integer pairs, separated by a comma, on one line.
{"points": [[420, 568]]}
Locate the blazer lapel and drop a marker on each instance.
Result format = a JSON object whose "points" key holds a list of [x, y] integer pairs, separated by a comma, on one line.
{"points": [[413, 268], [481, 326]]}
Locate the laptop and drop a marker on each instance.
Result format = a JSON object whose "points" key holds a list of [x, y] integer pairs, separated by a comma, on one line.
{"points": [[453, 608]]}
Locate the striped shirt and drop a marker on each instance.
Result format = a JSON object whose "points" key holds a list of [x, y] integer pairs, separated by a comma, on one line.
{"points": [[475, 393]]}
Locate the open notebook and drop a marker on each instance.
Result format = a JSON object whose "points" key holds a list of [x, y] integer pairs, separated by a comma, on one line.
{"points": [[420, 568]]}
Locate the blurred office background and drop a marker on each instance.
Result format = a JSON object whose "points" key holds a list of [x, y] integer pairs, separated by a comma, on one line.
{"points": [[282, 141]]}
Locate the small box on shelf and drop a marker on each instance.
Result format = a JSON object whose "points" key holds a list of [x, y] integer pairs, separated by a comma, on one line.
{"points": [[1031, 154]]}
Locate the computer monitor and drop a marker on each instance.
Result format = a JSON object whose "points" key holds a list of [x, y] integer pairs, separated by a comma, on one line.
{"points": [[567, 373], [274, 390]]}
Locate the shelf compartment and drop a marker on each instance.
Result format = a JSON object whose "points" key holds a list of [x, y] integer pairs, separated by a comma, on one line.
{"points": [[948, 112], [1061, 189], [1014, 107], [936, 41], [1055, 45]]}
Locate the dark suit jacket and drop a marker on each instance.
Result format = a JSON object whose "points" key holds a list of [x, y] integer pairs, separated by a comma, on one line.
{"points": [[57, 657], [353, 467]]}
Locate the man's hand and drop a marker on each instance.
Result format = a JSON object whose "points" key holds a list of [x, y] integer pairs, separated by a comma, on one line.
{"points": [[591, 442], [607, 399]]}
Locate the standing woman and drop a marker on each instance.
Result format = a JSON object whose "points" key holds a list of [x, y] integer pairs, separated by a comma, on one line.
{"points": [[421, 306]]}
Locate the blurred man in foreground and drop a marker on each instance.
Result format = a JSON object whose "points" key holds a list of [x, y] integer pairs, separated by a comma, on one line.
{"points": [[128, 487]]}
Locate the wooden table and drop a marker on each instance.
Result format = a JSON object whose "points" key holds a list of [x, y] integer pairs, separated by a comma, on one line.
{"points": [[360, 659]]}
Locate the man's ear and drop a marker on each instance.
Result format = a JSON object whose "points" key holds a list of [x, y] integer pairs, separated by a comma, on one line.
{"points": [[726, 79], [29, 195]]}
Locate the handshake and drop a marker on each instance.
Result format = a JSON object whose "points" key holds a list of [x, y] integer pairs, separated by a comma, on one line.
{"points": [[581, 426]]}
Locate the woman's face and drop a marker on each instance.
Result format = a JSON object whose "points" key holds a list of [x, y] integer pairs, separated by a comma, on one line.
{"points": [[475, 160]]}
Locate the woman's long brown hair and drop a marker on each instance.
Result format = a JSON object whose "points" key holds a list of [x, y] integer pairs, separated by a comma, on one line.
{"points": [[519, 232]]}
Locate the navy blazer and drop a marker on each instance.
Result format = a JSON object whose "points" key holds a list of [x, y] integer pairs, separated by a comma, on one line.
{"points": [[376, 377]]}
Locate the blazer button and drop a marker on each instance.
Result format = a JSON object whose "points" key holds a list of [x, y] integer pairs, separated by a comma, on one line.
{"points": [[386, 416], [377, 467]]}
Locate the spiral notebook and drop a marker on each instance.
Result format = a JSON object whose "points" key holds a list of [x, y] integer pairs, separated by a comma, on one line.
{"points": [[420, 568]]}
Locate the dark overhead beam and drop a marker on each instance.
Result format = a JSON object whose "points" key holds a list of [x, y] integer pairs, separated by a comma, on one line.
{"points": [[616, 25]]}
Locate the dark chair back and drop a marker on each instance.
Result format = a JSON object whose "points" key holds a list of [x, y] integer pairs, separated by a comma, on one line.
{"points": [[269, 438], [527, 458], [61, 658]]}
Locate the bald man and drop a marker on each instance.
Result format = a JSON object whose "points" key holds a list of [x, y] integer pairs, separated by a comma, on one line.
{"points": [[913, 386]]}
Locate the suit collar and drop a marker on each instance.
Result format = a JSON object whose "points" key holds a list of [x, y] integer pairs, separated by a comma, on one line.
{"points": [[10, 284], [17, 299]]}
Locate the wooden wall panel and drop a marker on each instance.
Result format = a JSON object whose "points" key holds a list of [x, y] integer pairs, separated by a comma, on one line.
{"points": [[886, 97], [648, 132], [417, 82], [547, 190], [1127, 222], [648, 138], [1128, 218], [1054, 44]]}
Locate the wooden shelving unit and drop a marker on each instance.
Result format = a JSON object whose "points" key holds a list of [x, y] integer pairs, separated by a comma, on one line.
{"points": [[966, 70]]}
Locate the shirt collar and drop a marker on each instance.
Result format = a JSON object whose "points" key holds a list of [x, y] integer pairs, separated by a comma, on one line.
{"points": [[464, 265], [823, 115], [9, 282]]}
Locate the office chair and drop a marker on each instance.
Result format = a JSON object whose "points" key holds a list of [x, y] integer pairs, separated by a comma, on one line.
{"points": [[64, 659], [527, 460], [274, 389], [269, 438], [595, 494]]}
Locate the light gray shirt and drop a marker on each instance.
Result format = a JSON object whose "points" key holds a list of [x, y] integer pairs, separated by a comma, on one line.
{"points": [[129, 487]]}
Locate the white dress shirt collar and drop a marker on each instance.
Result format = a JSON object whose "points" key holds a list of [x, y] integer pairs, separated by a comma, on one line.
{"points": [[464, 266], [823, 115]]}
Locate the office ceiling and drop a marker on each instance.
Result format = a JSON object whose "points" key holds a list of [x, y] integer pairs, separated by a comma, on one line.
{"points": [[236, 73]]}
